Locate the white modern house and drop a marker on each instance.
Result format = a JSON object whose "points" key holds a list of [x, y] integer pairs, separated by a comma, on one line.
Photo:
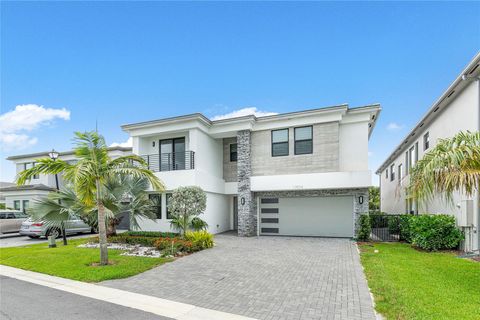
{"points": [[302, 173], [457, 109], [21, 197]]}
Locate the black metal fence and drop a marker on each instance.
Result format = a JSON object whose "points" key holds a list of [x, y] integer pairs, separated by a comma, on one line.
{"points": [[184, 160], [385, 227]]}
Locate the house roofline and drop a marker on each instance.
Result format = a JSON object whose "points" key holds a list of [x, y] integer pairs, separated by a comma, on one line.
{"points": [[252, 118], [64, 153], [471, 71], [40, 187]]}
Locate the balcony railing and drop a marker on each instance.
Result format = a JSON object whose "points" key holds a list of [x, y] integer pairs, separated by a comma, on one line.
{"points": [[170, 161]]}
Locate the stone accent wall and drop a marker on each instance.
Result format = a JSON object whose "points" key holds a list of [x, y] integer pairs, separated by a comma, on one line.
{"points": [[229, 168], [247, 218], [325, 156], [357, 207]]}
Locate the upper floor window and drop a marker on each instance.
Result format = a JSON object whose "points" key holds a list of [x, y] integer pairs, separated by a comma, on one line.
{"points": [[303, 140], [233, 152], [392, 172], [426, 141], [280, 142], [29, 165], [386, 173], [400, 167]]}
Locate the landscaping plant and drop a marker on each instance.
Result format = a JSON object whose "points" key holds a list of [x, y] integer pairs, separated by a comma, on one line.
{"points": [[435, 232], [89, 176], [202, 239], [365, 228], [186, 204]]}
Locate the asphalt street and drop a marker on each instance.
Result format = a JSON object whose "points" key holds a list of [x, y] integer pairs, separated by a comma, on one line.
{"points": [[20, 300]]}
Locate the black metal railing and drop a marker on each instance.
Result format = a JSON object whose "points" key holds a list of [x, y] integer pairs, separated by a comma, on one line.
{"points": [[184, 160], [385, 227]]}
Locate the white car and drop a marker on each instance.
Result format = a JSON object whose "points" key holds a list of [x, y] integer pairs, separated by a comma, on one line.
{"points": [[39, 229], [11, 220]]}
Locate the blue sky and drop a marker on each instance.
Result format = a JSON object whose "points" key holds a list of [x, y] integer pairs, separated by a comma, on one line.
{"points": [[123, 62]]}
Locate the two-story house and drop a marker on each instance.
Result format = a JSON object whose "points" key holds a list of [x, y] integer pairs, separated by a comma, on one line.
{"points": [[21, 197], [301, 173], [457, 109]]}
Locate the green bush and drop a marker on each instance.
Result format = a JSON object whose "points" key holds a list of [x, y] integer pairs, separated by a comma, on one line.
{"points": [[393, 224], [175, 245], [153, 234], [201, 239], [405, 229], [365, 228], [435, 232], [144, 241]]}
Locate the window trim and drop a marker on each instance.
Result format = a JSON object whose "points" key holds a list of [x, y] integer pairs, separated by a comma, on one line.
{"points": [[236, 152], [295, 140], [274, 143]]}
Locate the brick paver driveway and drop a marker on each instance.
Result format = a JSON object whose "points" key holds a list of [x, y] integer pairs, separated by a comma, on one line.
{"points": [[265, 278]]}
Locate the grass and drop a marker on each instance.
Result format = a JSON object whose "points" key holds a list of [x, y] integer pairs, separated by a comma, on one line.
{"points": [[410, 284], [76, 263]]}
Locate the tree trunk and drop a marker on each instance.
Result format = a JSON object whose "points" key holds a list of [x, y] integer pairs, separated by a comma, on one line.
{"points": [[102, 230]]}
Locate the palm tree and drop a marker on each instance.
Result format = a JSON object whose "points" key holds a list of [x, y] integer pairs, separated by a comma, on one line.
{"points": [[453, 165], [90, 174]]}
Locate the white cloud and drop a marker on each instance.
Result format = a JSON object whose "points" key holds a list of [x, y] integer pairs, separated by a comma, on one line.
{"points": [[26, 118], [126, 144], [244, 112], [393, 126]]}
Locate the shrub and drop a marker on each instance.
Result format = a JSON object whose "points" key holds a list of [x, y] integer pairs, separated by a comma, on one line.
{"points": [[187, 203], [365, 228], [153, 234], [201, 239], [405, 229], [174, 245], [435, 232], [393, 224], [144, 241]]}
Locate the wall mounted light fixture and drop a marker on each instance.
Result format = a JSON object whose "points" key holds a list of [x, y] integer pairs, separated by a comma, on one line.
{"points": [[360, 199]]}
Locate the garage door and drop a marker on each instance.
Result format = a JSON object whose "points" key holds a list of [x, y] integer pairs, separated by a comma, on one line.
{"points": [[307, 216]]}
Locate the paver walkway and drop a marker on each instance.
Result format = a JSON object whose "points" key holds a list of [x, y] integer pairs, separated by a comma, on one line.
{"points": [[265, 278]]}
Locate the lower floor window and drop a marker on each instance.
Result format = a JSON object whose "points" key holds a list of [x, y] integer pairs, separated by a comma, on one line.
{"points": [[16, 204], [25, 205], [157, 204]]}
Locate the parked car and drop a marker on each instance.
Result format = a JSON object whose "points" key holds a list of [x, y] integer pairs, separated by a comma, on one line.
{"points": [[11, 220], [35, 229]]}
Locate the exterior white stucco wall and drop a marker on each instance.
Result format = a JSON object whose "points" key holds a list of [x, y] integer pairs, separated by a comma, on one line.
{"points": [[353, 146]]}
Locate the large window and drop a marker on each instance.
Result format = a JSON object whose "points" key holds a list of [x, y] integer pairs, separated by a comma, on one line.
{"points": [[169, 212], [157, 203], [16, 204], [426, 141], [280, 143], [25, 205], [233, 152], [392, 172], [29, 165], [303, 140]]}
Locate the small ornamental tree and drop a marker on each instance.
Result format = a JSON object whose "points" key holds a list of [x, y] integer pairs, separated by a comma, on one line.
{"points": [[186, 204]]}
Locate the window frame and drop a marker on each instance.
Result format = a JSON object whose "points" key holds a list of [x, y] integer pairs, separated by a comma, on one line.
{"points": [[386, 173], [168, 214], [159, 206], [302, 140], [392, 172], [15, 202], [27, 202], [274, 143], [234, 159], [426, 141], [399, 174]]}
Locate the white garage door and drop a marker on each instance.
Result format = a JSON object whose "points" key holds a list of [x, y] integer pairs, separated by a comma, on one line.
{"points": [[307, 216]]}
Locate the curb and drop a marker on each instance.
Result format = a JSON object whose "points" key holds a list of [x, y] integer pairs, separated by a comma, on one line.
{"points": [[158, 306]]}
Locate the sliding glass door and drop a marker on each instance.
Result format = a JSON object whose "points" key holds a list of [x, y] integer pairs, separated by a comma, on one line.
{"points": [[172, 154]]}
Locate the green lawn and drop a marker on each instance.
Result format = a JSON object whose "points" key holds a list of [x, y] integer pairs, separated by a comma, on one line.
{"points": [[75, 263], [409, 284]]}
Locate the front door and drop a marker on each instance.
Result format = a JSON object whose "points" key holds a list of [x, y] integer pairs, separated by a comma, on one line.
{"points": [[235, 213], [172, 154]]}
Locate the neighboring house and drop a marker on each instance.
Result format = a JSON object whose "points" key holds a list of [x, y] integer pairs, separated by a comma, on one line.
{"points": [[3, 185], [457, 109], [301, 173], [21, 197]]}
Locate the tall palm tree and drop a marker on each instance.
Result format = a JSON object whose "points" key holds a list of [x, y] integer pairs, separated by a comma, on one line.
{"points": [[453, 165], [90, 174]]}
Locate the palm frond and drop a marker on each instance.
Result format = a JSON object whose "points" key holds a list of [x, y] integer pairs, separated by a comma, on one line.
{"points": [[42, 166]]}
